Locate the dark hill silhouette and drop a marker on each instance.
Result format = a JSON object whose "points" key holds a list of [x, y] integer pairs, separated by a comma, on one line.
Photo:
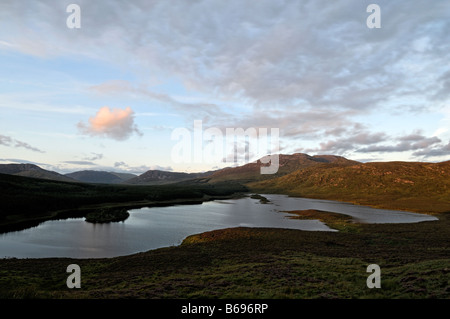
{"points": [[31, 170], [158, 177], [101, 177]]}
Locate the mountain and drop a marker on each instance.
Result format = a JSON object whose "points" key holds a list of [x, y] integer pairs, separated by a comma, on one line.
{"points": [[287, 164], [31, 170], [243, 174], [399, 185], [415, 186], [100, 177], [124, 176], [158, 177]]}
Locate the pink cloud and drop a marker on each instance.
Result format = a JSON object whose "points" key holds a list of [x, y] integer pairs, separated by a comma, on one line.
{"points": [[117, 124]]}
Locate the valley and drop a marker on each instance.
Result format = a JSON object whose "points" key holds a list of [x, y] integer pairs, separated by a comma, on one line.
{"points": [[249, 262]]}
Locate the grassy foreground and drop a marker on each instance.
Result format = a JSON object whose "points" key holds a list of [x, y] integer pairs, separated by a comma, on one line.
{"points": [[256, 263]]}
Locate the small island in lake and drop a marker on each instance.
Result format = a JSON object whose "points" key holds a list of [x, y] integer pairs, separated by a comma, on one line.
{"points": [[262, 199], [107, 215]]}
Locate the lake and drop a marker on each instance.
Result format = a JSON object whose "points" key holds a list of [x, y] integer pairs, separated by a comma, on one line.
{"points": [[151, 228]]}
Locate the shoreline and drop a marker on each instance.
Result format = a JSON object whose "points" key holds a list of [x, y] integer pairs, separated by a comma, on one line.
{"points": [[337, 222], [83, 211]]}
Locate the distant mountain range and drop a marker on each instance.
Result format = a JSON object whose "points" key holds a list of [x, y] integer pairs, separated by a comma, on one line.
{"points": [[393, 184], [246, 173], [32, 170], [151, 177]]}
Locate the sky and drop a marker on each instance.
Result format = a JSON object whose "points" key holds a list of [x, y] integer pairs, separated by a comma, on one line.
{"points": [[114, 93]]}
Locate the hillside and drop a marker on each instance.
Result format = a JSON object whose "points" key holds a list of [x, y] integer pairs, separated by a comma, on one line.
{"points": [[287, 164], [31, 170], [414, 186], [158, 177], [89, 176]]}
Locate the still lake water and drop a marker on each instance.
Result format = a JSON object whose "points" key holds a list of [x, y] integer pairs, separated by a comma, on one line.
{"points": [[150, 228]]}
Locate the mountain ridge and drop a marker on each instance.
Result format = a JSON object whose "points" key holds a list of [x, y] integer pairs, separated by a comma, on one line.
{"points": [[102, 177], [159, 177], [33, 171], [287, 163], [319, 176]]}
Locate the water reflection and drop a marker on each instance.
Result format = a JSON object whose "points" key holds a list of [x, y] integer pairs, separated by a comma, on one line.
{"points": [[150, 228]]}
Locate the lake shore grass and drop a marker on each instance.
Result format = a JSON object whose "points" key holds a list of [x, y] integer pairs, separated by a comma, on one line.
{"points": [[337, 221]]}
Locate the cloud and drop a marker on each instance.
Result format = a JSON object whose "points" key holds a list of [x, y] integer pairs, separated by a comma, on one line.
{"points": [[140, 169], [192, 110], [311, 68], [87, 163], [358, 139], [111, 87], [407, 143], [96, 156], [273, 52], [161, 168], [27, 146], [20, 161], [119, 164], [348, 143], [5, 140], [438, 150], [10, 142], [117, 124]]}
